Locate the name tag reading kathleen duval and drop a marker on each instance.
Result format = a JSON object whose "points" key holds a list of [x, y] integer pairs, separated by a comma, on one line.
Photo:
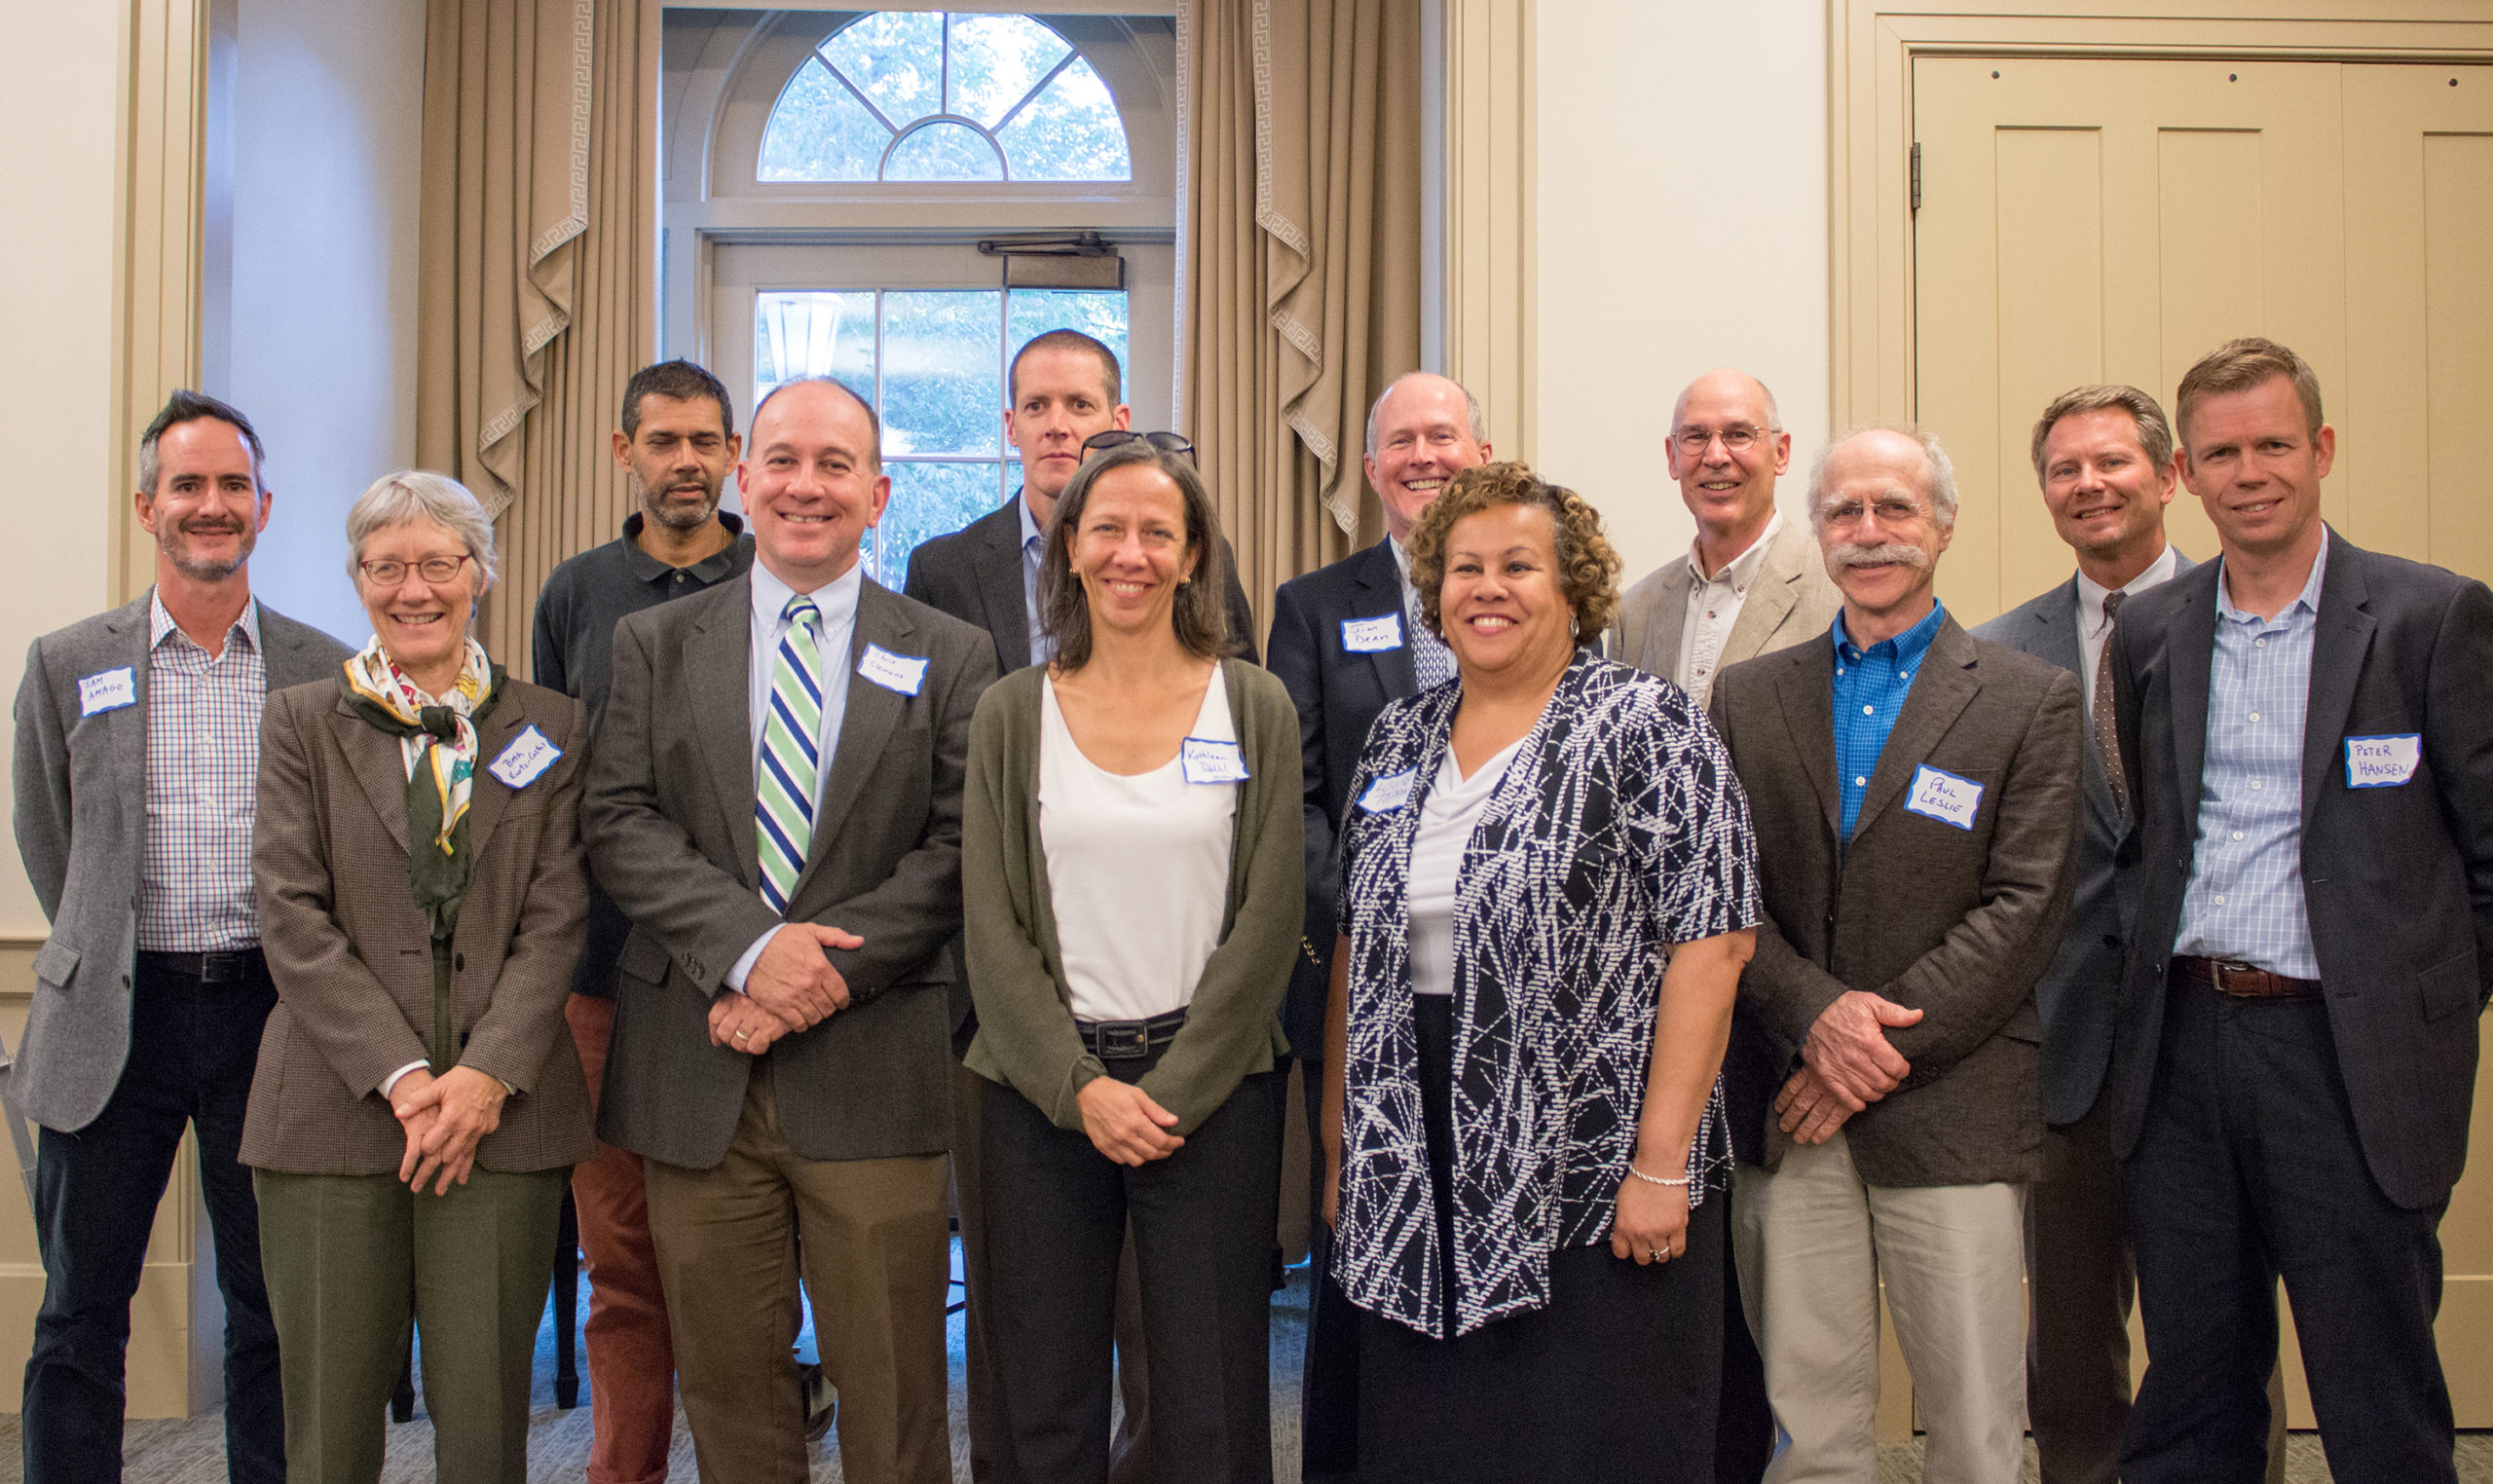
{"points": [[1367, 636], [1944, 797], [2383, 762], [904, 672], [1389, 793], [527, 759], [1207, 759]]}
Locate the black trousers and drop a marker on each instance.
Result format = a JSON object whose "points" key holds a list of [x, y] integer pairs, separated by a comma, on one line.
{"points": [[1056, 1212], [2249, 1168], [193, 1046], [1328, 1395], [1615, 1381]]}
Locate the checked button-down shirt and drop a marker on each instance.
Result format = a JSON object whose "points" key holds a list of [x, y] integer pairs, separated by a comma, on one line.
{"points": [[203, 779]]}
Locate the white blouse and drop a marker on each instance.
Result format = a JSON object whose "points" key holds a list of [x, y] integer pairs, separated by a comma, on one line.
{"points": [[1447, 816], [1138, 863]]}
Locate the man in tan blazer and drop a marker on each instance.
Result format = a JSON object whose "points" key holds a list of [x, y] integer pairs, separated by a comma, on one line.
{"points": [[1915, 790], [1752, 583], [780, 1058]]}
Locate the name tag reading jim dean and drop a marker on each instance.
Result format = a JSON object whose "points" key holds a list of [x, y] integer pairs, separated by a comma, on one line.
{"points": [[108, 691], [1944, 797], [904, 672], [1387, 794], [1368, 636], [527, 757], [2382, 763], [1208, 761]]}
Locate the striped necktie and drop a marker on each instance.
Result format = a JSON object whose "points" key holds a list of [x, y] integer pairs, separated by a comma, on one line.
{"points": [[783, 809]]}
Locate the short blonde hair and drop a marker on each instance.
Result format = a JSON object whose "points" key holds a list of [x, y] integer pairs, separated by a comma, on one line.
{"points": [[2155, 435], [413, 495], [2238, 365], [1587, 567]]}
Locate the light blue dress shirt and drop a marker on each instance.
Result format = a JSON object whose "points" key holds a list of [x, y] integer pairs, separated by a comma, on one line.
{"points": [[1033, 547], [2245, 898], [1869, 689]]}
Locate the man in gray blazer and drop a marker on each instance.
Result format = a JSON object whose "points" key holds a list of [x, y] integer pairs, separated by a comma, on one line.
{"points": [[1915, 792], [779, 1046], [1752, 583], [137, 758]]}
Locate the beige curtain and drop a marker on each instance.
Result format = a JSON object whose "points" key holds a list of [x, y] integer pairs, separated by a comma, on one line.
{"points": [[536, 293], [1301, 261]]}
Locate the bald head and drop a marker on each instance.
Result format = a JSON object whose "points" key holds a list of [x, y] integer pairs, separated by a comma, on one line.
{"points": [[1423, 431], [1727, 448]]}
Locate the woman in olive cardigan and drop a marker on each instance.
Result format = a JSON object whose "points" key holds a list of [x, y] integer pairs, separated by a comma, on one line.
{"points": [[1132, 863]]}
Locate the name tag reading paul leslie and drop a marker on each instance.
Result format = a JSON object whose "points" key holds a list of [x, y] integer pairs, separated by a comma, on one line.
{"points": [[1944, 797]]}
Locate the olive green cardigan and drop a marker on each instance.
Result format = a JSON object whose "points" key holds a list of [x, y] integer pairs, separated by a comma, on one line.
{"points": [[1025, 1036]]}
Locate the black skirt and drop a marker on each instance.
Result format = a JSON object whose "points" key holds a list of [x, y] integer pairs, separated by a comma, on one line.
{"points": [[1612, 1382]]}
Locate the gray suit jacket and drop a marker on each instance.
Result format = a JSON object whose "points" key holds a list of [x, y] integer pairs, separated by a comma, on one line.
{"points": [[1792, 599], [2077, 1000], [1958, 922], [82, 823], [669, 823]]}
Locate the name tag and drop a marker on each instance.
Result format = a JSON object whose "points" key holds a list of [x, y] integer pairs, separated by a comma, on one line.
{"points": [[108, 691], [1367, 636], [525, 760], [1389, 793], [1944, 797], [2382, 763], [904, 672], [1206, 760]]}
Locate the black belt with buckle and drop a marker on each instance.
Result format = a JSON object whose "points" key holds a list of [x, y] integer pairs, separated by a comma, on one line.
{"points": [[228, 968], [1129, 1040]]}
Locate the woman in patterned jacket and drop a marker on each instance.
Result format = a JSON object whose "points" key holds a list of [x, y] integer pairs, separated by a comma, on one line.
{"points": [[1549, 887]]}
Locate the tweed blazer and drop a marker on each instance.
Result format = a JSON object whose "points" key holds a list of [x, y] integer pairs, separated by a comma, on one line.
{"points": [[1792, 599], [1960, 922], [82, 827], [669, 822], [352, 953]]}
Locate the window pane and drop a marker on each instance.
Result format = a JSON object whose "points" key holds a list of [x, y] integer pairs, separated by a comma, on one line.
{"points": [[997, 60], [945, 152], [1070, 131], [813, 334], [928, 500], [897, 59], [820, 132], [1099, 313], [943, 386]]}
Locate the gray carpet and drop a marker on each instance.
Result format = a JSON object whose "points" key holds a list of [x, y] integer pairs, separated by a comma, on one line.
{"points": [[193, 1451]]}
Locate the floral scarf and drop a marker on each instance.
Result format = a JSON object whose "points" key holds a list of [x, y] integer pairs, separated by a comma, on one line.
{"points": [[437, 739]]}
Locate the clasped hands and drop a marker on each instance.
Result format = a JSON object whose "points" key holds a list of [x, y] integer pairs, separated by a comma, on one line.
{"points": [[1846, 1064], [445, 1117], [792, 987]]}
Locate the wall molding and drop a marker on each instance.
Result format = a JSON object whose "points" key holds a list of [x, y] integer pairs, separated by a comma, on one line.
{"points": [[1492, 346]]}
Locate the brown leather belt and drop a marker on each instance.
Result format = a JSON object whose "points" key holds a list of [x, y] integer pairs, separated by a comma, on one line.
{"points": [[2241, 981]]}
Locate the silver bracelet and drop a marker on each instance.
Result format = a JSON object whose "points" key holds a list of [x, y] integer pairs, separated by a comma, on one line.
{"points": [[1681, 1181]]}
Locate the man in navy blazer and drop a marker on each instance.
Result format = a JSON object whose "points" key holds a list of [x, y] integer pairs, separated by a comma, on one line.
{"points": [[2307, 729], [1346, 640]]}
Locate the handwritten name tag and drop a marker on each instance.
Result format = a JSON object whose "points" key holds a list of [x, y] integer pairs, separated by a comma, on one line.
{"points": [[904, 672], [1367, 636], [1208, 761], [2382, 763], [525, 760], [1943, 797], [108, 691], [1389, 793]]}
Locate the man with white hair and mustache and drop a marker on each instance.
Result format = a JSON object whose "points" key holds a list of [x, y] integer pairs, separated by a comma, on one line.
{"points": [[1915, 852]]}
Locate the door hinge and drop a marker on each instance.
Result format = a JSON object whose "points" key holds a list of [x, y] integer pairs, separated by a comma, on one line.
{"points": [[1916, 176]]}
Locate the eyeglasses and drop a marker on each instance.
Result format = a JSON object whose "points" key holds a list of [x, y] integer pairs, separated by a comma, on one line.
{"points": [[1116, 437], [1738, 438], [435, 569], [1891, 510]]}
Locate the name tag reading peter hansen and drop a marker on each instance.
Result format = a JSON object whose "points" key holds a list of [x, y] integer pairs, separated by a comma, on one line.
{"points": [[1205, 760], [525, 760], [2382, 763], [108, 691], [904, 672], [1387, 794], [1369, 636], [1944, 797]]}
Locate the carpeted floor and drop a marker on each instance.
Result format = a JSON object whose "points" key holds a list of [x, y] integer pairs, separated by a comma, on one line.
{"points": [[193, 1451]]}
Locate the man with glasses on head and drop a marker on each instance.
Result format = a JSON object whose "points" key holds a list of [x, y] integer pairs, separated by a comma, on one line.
{"points": [[1064, 387]]}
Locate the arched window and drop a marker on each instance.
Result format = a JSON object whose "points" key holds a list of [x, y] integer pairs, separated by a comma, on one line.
{"points": [[938, 96]]}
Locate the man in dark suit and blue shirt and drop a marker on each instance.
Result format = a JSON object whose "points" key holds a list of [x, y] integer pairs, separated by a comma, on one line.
{"points": [[139, 740], [2307, 729], [1346, 640]]}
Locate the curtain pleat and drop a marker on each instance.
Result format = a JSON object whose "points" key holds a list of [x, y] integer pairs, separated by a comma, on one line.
{"points": [[1302, 262], [537, 288]]}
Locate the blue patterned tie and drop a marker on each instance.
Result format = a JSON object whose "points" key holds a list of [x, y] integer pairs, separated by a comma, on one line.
{"points": [[783, 809], [1431, 660]]}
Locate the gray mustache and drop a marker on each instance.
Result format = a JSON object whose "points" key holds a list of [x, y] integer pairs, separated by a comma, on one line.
{"points": [[1855, 554]]}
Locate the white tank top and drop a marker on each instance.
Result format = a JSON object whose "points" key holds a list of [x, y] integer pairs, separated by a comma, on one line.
{"points": [[1137, 866]]}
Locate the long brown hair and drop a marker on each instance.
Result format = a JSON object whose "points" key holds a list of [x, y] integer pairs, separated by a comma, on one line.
{"points": [[1064, 610]]}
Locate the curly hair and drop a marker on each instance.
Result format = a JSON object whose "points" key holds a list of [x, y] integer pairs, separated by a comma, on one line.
{"points": [[1587, 566]]}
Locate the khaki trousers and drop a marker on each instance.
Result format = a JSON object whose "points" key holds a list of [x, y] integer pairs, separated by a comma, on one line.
{"points": [[1815, 1248], [870, 1238]]}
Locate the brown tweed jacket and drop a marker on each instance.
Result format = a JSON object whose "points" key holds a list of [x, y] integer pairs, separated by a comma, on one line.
{"points": [[352, 955]]}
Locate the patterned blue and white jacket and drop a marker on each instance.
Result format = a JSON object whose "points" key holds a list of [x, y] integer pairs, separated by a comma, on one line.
{"points": [[1617, 831]]}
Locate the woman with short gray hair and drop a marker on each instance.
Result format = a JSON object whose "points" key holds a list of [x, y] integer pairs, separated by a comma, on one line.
{"points": [[418, 1103]]}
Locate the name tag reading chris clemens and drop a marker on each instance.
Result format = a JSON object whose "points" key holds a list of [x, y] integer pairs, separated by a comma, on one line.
{"points": [[1367, 636], [904, 672], [527, 757], [2382, 763], [1205, 760], [1944, 797]]}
